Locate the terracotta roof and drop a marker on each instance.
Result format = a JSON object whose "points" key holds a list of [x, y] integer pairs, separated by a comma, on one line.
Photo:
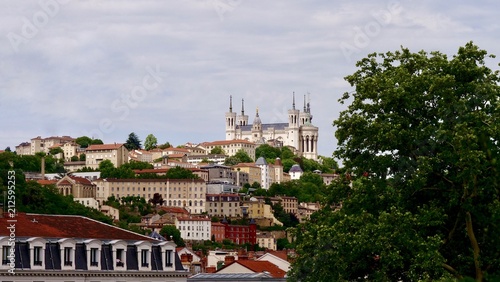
{"points": [[177, 149], [180, 155], [174, 210], [104, 147], [150, 170], [260, 267], [246, 165], [281, 254], [65, 182], [226, 142], [153, 180], [46, 182], [66, 226], [81, 180], [193, 219]]}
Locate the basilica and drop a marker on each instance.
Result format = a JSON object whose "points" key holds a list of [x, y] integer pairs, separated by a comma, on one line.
{"points": [[298, 133]]}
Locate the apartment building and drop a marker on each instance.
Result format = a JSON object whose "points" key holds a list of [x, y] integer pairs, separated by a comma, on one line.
{"points": [[230, 147], [116, 153], [184, 193], [194, 228], [223, 205], [74, 248], [253, 171]]}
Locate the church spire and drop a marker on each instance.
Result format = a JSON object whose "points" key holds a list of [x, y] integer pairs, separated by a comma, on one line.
{"points": [[242, 107], [230, 103], [304, 103], [293, 103]]}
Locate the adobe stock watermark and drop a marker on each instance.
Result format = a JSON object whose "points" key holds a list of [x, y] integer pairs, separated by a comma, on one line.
{"points": [[364, 35], [223, 7], [127, 101], [32, 26]]}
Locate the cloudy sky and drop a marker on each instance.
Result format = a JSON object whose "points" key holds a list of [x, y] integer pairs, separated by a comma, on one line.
{"points": [[108, 68]]}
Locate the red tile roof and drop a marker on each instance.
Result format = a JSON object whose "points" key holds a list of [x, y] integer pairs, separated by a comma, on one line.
{"points": [[174, 210], [259, 267], [104, 147], [81, 180], [46, 182], [150, 170], [281, 254], [66, 226]]}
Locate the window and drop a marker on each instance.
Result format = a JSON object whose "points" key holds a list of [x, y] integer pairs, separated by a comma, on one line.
{"points": [[37, 255], [119, 258], [93, 257], [5, 255], [144, 258], [168, 258], [67, 256]]}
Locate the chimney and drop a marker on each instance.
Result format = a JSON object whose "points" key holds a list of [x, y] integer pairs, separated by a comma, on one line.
{"points": [[43, 168], [210, 269], [228, 260], [184, 258]]}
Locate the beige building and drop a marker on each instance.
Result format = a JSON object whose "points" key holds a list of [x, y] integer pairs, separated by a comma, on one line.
{"points": [[267, 240], [223, 205], [116, 153], [256, 208], [254, 172], [230, 147], [39, 144], [78, 187], [23, 149], [184, 193]]}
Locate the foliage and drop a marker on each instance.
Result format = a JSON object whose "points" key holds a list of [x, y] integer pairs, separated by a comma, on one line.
{"points": [[171, 231], [137, 165], [30, 163], [151, 142], [178, 172], [165, 145], [82, 157], [420, 140], [239, 157], [157, 200], [56, 150], [74, 158], [217, 150], [133, 142], [7, 149], [85, 141], [288, 219]]}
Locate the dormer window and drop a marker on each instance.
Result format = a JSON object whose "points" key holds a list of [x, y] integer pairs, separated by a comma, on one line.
{"points": [[94, 258], [37, 256], [144, 258], [5, 255], [68, 256], [168, 258], [119, 258]]}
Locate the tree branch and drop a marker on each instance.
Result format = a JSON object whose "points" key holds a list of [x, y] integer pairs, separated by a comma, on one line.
{"points": [[475, 246], [452, 271]]}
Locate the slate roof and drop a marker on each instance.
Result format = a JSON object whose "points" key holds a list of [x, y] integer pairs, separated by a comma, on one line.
{"points": [[261, 161], [67, 226], [295, 168], [265, 126]]}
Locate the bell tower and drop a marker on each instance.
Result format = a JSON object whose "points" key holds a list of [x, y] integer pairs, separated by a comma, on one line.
{"points": [[230, 121]]}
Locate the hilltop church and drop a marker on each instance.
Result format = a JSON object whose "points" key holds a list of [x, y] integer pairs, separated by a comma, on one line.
{"points": [[298, 133]]}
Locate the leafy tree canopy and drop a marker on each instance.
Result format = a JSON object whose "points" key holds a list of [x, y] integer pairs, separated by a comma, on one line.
{"points": [[420, 139], [217, 150], [151, 142], [85, 141], [133, 142], [239, 157], [169, 231]]}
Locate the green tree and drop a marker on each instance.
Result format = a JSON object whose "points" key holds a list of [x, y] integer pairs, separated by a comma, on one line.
{"points": [[267, 151], [170, 231], [420, 140], [8, 149], [83, 141], [133, 142], [82, 157], [151, 142], [239, 157], [178, 172], [55, 151], [74, 158], [165, 145], [217, 150]]}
